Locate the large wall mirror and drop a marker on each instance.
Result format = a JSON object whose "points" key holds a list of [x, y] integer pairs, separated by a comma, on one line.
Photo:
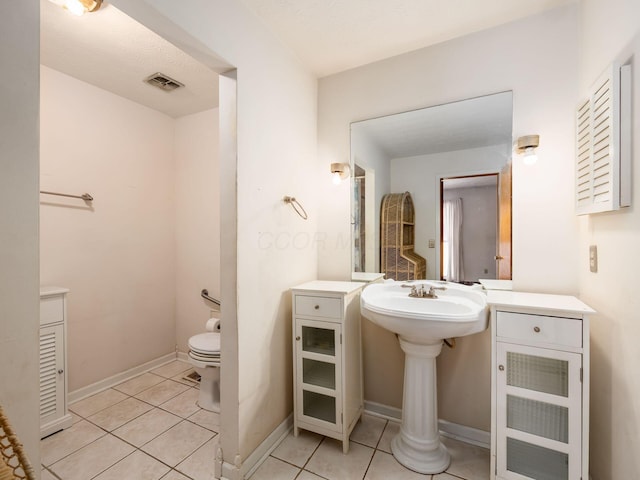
{"points": [[455, 161]]}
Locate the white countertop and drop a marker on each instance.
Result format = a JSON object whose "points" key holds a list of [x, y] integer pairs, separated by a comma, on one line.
{"points": [[564, 303], [366, 276], [48, 291], [329, 286]]}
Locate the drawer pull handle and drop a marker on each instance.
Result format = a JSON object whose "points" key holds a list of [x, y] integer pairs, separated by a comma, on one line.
{"points": [[536, 329], [298, 338], [501, 368], [60, 371], [317, 307]]}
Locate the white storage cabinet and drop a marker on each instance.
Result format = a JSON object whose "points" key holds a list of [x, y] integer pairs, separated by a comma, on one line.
{"points": [[54, 415], [540, 388], [327, 363]]}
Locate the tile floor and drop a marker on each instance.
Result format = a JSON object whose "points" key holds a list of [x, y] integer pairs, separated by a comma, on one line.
{"points": [[147, 428], [314, 457], [150, 428]]}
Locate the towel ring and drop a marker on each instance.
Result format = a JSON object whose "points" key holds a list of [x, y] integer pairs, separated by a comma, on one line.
{"points": [[295, 204]]}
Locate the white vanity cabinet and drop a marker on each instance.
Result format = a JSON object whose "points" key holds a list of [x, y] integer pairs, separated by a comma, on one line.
{"points": [[540, 387], [327, 358], [54, 415]]}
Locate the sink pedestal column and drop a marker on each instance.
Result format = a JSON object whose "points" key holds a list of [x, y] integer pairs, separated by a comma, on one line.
{"points": [[418, 445]]}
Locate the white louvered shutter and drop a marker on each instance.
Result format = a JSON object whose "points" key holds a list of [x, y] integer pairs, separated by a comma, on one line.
{"points": [[599, 144]]}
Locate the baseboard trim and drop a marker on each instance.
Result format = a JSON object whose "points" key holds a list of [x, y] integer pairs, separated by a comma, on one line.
{"points": [[259, 455], [113, 380], [182, 356], [463, 433], [383, 411], [474, 436]]}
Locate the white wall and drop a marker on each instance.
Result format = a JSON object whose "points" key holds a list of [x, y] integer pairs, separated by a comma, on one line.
{"points": [[541, 70], [420, 175], [19, 284], [276, 249], [116, 255], [479, 229], [611, 30], [197, 225]]}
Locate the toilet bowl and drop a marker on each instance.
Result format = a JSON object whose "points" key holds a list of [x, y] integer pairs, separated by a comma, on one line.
{"points": [[204, 355]]}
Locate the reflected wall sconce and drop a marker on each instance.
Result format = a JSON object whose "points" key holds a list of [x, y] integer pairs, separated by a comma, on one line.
{"points": [[340, 171], [527, 148], [79, 7]]}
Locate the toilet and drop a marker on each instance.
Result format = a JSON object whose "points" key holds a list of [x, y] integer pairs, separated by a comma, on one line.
{"points": [[204, 355]]}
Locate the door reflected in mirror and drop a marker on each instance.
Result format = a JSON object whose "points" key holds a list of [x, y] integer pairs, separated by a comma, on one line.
{"points": [[456, 150]]}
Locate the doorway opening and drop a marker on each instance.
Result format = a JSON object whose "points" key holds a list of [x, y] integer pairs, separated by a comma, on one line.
{"points": [[471, 220]]}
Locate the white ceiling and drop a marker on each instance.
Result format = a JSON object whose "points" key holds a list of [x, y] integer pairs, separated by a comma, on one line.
{"points": [[335, 35], [110, 50]]}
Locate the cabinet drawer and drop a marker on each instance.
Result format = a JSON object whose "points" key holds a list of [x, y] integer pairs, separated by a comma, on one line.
{"points": [[51, 310], [539, 328], [326, 307]]}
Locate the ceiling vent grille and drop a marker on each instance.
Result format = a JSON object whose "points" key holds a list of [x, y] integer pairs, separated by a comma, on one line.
{"points": [[163, 82]]}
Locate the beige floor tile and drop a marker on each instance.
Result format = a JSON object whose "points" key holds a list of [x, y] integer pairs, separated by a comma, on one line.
{"points": [[304, 475], [297, 450], [368, 430], [206, 419], [384, 467], [137, 466], [117, 415], [172, 369], [184, 405], [274, 469], [162, 392], [173, 475], [467, 461], [75, 418], [139, 383], [328, 461], [391, 430], [146, 427], [61, 444], [445, 476], [200, 465], [177, 443], [97, 402], [91, 460]]}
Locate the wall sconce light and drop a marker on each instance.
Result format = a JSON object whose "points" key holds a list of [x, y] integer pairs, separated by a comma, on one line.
{"points": [[79, 7], [527, 148], [340, 171]]}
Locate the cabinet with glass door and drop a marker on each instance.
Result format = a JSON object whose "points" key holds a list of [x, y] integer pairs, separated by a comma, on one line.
{"points": [[328, 394], [540, 380]]}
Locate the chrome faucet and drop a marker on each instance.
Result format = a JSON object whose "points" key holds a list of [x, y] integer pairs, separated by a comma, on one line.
{"points": [[418, 291]]}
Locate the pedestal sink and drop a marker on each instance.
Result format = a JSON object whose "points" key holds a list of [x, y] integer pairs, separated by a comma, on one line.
{"points": [[421, 324]]}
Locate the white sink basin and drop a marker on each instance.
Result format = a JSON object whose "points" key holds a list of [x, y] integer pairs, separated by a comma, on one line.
{"points": [[458, 311], [421, 324]]}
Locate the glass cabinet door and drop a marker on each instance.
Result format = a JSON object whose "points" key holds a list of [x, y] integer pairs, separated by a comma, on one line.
{"points": [[539, 424], [318, 372]]}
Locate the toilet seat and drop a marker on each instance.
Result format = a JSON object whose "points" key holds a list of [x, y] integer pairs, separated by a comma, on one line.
{"points": [[205, 344]]}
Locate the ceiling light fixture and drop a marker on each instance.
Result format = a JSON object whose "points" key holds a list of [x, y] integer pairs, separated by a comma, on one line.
{"points": [[79, 7], [527, 148], [340, 171]]}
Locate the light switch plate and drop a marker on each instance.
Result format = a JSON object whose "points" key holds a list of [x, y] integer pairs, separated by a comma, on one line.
{"points": [[593, 258]]}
